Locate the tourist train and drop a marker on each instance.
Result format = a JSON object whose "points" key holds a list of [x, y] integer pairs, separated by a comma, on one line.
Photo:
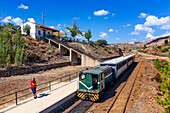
{"points": [[92, 83]]}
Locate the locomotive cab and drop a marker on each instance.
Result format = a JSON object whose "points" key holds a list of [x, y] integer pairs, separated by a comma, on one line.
{"points": [[92, 82]]}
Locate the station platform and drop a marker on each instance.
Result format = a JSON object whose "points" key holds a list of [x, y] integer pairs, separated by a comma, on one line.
{"points": [[45, 99]]}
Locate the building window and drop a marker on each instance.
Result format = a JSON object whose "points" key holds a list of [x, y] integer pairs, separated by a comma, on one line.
{"points": [[48, 34], [39, 32]]}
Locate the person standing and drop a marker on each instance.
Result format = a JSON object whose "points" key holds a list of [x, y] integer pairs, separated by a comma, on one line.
{"points": [[33, 87]]}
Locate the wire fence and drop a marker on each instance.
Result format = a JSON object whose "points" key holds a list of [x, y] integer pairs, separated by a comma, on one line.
{"points": [[25, 93]]}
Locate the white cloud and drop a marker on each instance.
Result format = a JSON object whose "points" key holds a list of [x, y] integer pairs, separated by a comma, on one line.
{"points": [[149, 35], [134, 33], [142, 28], [31, 20], [17, 21], [103, 35], [76, 18], [7, 19], [89, 17], [133, 39], [110, 30], [127, 25], [116, 31], [167, 26], [52, 27], [106, 18], [101, 12], [59, 26], [113, 14], [142, 15], [23, 6], [154, 21], [117, 38], [64, 25]]}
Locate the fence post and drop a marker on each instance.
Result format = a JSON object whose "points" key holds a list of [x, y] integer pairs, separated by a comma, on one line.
{"points": [[16, 97], [50, 85]]}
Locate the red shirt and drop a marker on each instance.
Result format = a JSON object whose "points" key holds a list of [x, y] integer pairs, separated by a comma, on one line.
{"points": [[33, 86]]}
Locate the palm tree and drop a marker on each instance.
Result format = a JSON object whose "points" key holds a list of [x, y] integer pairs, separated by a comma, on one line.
{"points": [[74, 30], [88, 35]]}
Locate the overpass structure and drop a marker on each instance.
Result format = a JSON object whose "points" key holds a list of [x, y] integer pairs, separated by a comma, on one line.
{"points": [[86, 59]]}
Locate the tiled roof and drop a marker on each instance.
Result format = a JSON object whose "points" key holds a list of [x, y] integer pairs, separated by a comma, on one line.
{"points": [[46, 27]]}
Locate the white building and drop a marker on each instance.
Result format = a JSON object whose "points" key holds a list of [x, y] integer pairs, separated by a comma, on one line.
{"points": [[37, 31]]}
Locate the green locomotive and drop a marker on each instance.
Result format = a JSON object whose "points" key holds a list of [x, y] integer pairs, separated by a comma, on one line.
{"points": [[93, 82]]}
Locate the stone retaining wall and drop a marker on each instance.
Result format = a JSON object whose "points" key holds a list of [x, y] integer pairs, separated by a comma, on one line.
{"points": [[31, 69]]}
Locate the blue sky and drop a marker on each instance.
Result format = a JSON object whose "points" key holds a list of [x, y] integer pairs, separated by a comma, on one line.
{"points": [[112, 20]]}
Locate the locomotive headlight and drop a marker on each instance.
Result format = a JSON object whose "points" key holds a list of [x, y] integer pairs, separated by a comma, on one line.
{"points": [[83, 76]]}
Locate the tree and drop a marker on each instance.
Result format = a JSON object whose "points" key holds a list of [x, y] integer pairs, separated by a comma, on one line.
{"points": [[26, 29], [88, 35], [166, 42], [144, 47], [74, 30], [101, 43]]}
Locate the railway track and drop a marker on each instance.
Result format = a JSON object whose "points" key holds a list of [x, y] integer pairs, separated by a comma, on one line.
{"points": [[115, 105], [117, 96], [112, 108], [81, 107]]}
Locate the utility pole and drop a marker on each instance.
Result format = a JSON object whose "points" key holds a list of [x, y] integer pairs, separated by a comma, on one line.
{"points": [[23, 21], [42, 18]]}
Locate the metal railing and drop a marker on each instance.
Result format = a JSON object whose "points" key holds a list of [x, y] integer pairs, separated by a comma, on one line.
{"points": [[48, 85]]}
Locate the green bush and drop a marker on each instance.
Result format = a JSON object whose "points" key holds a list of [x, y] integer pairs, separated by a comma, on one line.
{"points": [[166, 42], [130, 50], [109, 51], [159, 47], [105, 48], [164, 50], [157, 64], [166, 63]]}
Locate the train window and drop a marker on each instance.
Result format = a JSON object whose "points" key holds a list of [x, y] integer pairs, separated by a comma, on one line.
{"points": [[83, 76], [101, 76]]}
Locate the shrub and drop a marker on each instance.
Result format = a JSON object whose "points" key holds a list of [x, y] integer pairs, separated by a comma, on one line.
{"points": [[109, 51], [105, 48], [130, 50], [157, 64], [166, 42], [144, 47], [164, 50], [166, 62], [101, 43], [159, 47], [92, 43]]}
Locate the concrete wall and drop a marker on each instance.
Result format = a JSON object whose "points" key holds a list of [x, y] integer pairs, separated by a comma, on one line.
{"points": [[87, 61], [63, 50], [31, 69]]}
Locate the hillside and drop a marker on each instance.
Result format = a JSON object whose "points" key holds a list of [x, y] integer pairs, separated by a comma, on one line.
{"points": [[159, 40], [98, 51], [40, 52]]}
